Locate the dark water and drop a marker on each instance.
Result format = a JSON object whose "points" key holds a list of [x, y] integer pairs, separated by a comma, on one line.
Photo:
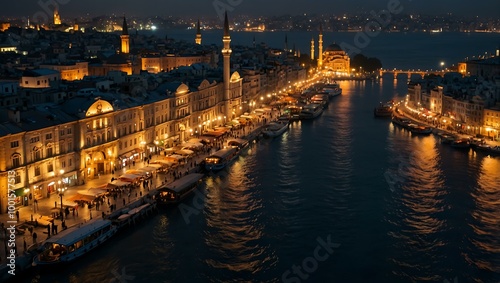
{"points": [[345, 197], [395, 50]]}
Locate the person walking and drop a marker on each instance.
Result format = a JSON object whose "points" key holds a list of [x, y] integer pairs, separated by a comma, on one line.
{"points": [[35, 235]]}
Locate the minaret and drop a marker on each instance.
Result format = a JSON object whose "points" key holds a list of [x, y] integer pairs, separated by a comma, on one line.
{"points": [[75, 25], [312, 48], [286, 43], [125, 38], [198, 33], [57, 18], [226, 53], [320, 46]]}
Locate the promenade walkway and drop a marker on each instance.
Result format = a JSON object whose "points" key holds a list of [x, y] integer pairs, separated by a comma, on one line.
{"points": [[409, 114], [31, 234]]}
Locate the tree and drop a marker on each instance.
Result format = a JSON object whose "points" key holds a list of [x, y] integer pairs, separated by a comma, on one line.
{"points": [[363, 63]]}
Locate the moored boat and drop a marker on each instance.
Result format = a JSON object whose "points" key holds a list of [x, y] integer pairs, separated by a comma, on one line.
{"points": [[311, 111], [461, 144], [419, 129], [332, 89], [74, 242], [178, 190], [238, 143], [488, 149], [220, 159], [275, 129], [383, 110], [402, 122]]}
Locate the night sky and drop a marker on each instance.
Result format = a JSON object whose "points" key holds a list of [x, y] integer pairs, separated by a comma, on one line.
{"points": [[205, 8]]}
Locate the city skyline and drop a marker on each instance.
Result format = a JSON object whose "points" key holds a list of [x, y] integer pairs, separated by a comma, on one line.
{"points": [[198, 8]]}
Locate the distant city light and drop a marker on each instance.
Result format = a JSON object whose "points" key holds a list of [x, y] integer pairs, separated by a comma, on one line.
{"points": [[153, 27]]}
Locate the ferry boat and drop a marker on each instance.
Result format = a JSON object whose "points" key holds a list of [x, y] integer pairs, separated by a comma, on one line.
{"points": [[74, 242], [383, 110], [320, 99], [402, 122], [332, 89], [275, 129], [178, 190], [311, 111], [419, 129], [220, 159]]}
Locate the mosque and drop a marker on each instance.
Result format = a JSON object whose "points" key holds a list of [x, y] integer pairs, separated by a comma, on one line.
{"points": [[333, 59]]}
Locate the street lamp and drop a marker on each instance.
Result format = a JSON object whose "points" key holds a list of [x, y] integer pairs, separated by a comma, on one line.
{"points": [[61, 188]]}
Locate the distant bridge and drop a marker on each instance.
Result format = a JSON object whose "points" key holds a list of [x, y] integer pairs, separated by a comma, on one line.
{"points": [[396, 72]]}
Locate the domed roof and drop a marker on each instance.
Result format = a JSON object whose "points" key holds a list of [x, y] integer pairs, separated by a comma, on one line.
{"points": [[333, 47]]}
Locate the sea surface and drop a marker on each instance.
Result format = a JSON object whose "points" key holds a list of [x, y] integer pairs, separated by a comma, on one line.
{"points": [[399, 50], [342, 198]]}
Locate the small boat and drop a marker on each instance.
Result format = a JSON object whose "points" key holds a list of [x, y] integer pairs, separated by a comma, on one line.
{"points": [[178, 190], [447, 139], [383, 110], [320, 99], [419, 129], [332, 89], [220, 159], [488, 149], [402, 122], [275, 129], [238, 143], [461, 144], [311, 111], [74, 242]]}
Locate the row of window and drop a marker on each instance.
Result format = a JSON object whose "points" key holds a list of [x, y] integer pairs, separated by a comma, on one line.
{"points": [[16, 162], [15, 144]]}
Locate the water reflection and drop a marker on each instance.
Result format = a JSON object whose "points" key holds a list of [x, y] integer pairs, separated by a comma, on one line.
{"points": [[484, 251], [234, 232], [419, 203]]}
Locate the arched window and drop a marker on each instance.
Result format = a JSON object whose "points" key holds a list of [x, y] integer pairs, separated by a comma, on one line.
{"points": [[16, 160], [36, 153], [50, 149]]}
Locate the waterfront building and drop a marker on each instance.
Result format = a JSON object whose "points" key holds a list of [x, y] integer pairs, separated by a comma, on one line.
{"points": [[485, 67], [68, 139], [492, 122], [336, 60]]}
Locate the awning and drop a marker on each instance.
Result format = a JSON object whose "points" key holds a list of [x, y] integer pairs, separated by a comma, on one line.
{"points": [[19, 192], [80, 197], [96, 192], [184, 152], [119, 183]]}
